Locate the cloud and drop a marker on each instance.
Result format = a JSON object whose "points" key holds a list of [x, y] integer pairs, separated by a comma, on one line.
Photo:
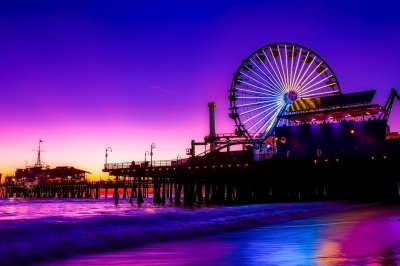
{"points": [[155, 87]]}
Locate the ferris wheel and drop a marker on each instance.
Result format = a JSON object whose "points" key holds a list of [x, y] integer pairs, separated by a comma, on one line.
{"points": [[270, 80]]}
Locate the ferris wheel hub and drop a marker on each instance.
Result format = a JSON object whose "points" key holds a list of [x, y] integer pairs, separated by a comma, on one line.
{"points": [[291, 96]]}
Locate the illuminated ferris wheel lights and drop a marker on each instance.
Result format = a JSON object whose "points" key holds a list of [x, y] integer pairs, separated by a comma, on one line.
{"points": [[277, 68], [278, 87], [276, 79], [267, 88], [268, 122], [274, 53], [276, 108], [251, 104], [270, 80], [259, 114], [308, 91], [263, 74], [258, 108], [255, 86], [308, 68], [304, 86], [309, 87], [300, 71], [247, 67], [251, 91], [309, 75], [254, 97], [330, 84]]}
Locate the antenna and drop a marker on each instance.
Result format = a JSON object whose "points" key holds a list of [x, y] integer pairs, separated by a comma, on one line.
{"points": [[39, 162]]}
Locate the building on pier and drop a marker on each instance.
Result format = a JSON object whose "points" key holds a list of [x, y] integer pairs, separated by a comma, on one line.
{"points": [[347, 124], [43, 175]]}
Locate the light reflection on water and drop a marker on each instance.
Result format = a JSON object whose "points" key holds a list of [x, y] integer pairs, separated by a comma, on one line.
{"points": [[34, 208], [365, 236]]}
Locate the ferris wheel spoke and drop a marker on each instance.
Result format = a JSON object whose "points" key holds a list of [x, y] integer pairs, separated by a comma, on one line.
{"points": [[301, 68], [262, 97], [308, 68], [297, 65], [275, 85], [253, 78], [277, 68], [287, 67], [316, 83], [282, 67], [252, 85], [268, 120], [255, 109], [304, 87], [247, 91], [276, 82], [255, 124], [261, 120], [276, 76], [267, 87], [251, 104], [309, 75], [291, 68], [270, 123], [320, 93], [258, 114]]}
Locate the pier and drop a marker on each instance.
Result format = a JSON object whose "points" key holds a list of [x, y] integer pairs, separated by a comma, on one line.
{"points": [[311, 179]]}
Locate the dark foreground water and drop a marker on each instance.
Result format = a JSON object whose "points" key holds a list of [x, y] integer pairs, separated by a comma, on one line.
{"points": [[362, 236], [90, 232]]}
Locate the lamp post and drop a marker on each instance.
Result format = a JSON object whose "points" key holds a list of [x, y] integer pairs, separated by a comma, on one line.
{"points": [[146, 153], [153, 147], [177, 158], [351, 141], [108, 149]]}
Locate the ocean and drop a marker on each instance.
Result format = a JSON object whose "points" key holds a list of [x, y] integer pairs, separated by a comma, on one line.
{"points": [[96, 232]]}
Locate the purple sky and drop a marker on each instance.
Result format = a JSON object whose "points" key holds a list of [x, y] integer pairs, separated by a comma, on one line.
{"points": [[85, 75]]}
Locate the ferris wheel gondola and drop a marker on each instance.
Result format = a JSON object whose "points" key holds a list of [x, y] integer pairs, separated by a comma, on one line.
{"points": [[270, 80]]}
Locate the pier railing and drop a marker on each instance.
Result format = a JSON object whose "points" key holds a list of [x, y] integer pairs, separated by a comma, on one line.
{"points": [[141, 164]]}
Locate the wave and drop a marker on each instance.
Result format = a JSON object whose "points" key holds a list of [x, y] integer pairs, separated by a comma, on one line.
{"points": [[25, 242]]}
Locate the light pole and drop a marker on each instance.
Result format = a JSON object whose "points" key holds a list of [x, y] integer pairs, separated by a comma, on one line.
{"points": [[177, 158], [108, 149], [351, 141], [146, 153], [153, 147], [26, 163]]}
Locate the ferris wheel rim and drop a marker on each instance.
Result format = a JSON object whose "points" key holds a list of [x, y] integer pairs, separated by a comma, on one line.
{"points": [[292, 44], [278, 84]]}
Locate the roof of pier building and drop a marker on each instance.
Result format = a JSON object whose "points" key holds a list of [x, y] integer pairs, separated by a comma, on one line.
{"points": [[344, 106]]}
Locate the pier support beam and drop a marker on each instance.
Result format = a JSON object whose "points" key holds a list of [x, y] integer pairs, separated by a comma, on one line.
{"points": [[140, 197], [116, 195]]}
